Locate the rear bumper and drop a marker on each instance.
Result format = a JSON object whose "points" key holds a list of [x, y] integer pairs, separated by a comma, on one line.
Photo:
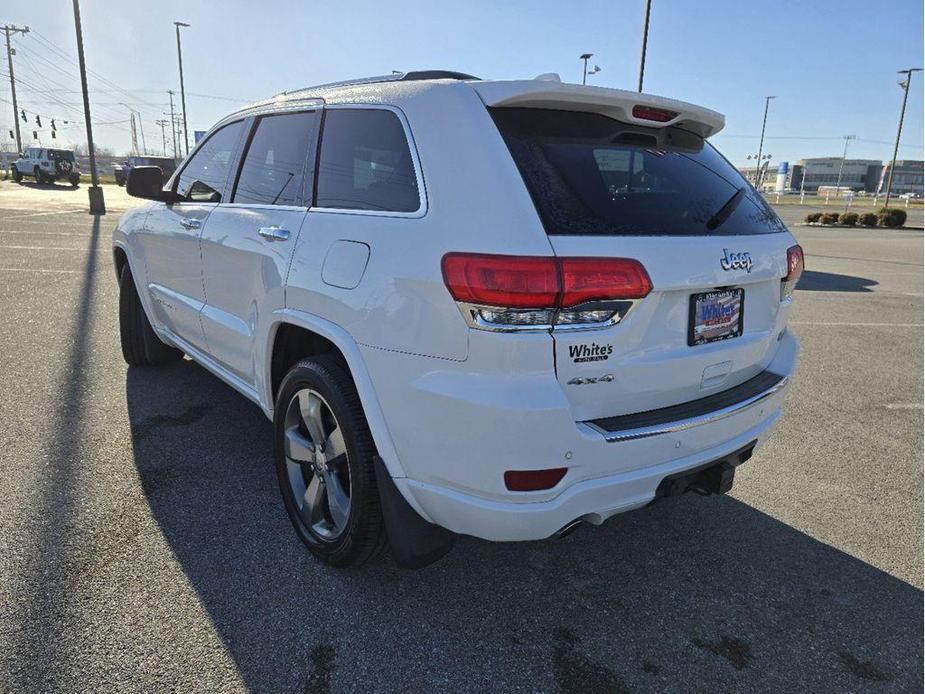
{"points": [[592, 501], [455, 472]]}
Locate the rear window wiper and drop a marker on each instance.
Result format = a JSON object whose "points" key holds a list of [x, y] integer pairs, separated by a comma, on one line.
{"points": [[724, 212]]}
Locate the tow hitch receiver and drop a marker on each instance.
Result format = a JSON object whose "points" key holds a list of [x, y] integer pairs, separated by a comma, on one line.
{"points": [[714, 477]]}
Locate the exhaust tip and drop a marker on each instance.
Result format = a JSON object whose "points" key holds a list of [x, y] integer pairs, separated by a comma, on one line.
{"points": [[568, 528]]}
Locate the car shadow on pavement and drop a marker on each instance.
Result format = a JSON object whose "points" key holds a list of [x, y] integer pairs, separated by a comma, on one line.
{"points": [[62, 186], [695, 593], [813, 281]]}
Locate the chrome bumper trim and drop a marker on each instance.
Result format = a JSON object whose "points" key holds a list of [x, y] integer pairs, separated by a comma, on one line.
{"points": [[691, 422]]}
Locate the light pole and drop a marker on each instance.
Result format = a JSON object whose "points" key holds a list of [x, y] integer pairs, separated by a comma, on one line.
{"points": [[767, 101], [95, 193], [841, 166], [645, 40], [584, 73], [9, 56], [905, 87], [182, 88]]}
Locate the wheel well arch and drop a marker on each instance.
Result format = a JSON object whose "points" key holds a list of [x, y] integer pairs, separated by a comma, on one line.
{"points": [[119, 259], [292, 343]]}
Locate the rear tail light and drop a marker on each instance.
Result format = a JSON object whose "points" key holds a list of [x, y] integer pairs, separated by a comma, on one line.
{"points": [[533, 480], [523, 292], [660, 115], [589, 279], [794, 271], [501, 280]]}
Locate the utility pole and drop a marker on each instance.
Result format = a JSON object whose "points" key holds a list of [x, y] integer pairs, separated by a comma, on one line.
{"points": [[144, 146], [134, 130], [584, 74], [9, 29], [645, 40], [841, 166], [902, 114], [182, 88], [97, 204], [767, 100], [173, 126], [162, 123]]}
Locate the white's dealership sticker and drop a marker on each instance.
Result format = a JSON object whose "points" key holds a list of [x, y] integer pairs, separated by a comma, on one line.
{"points": [[589, 352]]}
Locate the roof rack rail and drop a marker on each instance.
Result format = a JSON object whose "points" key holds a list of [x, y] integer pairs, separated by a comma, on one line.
{"points": [[396, 76], [436, 75]]}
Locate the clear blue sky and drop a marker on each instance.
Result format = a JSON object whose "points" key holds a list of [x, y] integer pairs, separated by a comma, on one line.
{"points": [[831, 63]]}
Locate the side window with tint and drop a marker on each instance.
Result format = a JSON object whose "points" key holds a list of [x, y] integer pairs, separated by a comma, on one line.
{"points": [[275, 163], [365, 163], [205, 176]]}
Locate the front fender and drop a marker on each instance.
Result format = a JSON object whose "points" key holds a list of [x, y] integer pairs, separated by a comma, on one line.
{"points": [[351, 351]]}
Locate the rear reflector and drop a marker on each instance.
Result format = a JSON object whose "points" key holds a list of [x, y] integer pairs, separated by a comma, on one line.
{"points": [[542, 282], [533, 480], [660, 115]]}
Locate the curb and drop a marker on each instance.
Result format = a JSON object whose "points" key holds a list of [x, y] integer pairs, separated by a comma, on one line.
{"points": [[859, 227]]}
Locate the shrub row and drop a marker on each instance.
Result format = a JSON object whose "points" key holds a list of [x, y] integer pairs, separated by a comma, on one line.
{"points": [[886, 217]]}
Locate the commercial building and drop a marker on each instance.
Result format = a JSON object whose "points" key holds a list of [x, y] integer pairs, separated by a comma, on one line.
{"points": [[859, 175], [856, 174], [908, 177]]}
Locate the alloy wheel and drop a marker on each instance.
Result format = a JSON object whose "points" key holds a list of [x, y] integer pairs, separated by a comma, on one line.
{"points": [[316, 463]]}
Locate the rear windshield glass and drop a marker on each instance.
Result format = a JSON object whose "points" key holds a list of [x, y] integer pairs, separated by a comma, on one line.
{"points": [[61, 155], [590, 174]]}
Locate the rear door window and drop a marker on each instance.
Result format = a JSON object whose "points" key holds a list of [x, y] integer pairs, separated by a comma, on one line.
{"points": [[205, 176], [592, 175], [276, 161], [365, 163]]}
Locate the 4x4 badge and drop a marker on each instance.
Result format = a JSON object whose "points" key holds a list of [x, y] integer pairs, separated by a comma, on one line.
{"points": [[580, 381], [736, 261]]}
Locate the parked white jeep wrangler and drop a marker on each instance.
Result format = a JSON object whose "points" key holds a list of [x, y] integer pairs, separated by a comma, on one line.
{"points": [[46, 166], [481, 307]]}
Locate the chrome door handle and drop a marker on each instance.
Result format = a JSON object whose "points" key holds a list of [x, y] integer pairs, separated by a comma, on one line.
{"points": [[187, 223], [274, 233]]}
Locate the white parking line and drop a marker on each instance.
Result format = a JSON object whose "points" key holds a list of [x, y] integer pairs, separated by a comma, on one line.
{"points": [[43, 233], [42, 270], [852, 324], [44, 214], [904, 406], [57, 248]]}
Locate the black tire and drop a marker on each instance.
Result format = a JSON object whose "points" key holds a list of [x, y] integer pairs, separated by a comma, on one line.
{"points": [[16, 175], [365, 535], [75, 181], [140, 344]]}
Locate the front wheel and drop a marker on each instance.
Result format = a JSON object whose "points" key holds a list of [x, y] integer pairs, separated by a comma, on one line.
{"points": [[17, 176], [140, 344], [74, 181], [324, 463]]}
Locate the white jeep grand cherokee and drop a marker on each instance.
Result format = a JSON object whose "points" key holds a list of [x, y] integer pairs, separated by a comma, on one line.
{"points": [[498, 308]]}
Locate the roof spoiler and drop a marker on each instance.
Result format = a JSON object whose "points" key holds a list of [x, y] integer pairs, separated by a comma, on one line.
{"points": [[627, 107]]}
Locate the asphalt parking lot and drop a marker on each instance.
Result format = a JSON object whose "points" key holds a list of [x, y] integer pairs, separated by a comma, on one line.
{"points": [[144, 546]]}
